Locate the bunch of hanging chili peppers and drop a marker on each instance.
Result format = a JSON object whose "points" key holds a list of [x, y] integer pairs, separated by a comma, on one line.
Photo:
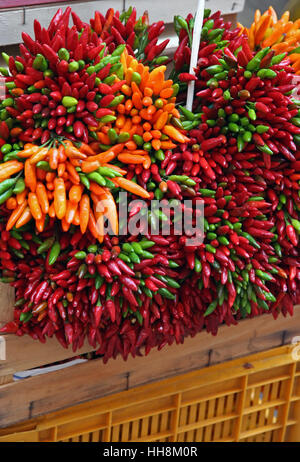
{"points": [[236, 153]]}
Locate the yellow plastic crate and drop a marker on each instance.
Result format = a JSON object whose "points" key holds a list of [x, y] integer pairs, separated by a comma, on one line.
{"points": [[255, 398]]}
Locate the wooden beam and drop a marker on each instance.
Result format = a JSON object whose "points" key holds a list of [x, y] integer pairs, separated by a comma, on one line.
{"points": [[36, 396], [24, 353], [7, 299]]}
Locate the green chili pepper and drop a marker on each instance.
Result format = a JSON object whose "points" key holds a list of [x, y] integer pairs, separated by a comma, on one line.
{"points": [[207, 192], [166, 293], [295, 121], [6, 148], [25, 317], [14, 233], [263, 275], [187, 114], [278, 58], [247, 137], [40, 63], [262, 128], [134, 257], [69, 101], [138, 140], [254, 63], [117, 100], [109, 172], [265, 149], [227, 95], [198, 265], [46, 245], [211, 308], [63, 54], [124, 257], [4, 71], [262, 304], [123, 137], [210, 248], [7, 185], [5, 195], [214, 69], [137, 248], [81, 255], [19, 186], [252, 114], [112, 134], [97, 178], [54, 253]]}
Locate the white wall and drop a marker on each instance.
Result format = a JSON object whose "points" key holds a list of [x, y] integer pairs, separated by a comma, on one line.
{"points": [[14, 21]]}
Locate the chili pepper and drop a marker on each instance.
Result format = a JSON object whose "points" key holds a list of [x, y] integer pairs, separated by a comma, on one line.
{"points": [[54, 253]]}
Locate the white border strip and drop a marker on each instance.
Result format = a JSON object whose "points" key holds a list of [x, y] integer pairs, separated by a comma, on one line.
{"points": [[195, 49]]}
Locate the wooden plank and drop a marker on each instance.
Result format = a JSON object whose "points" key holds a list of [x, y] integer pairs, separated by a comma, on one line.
{"points": [[265, 333], [249, 336], [39, 395], [7, 298], [29, 398], [25, 353]]}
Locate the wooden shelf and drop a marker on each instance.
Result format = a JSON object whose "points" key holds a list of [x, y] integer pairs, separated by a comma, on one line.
{"points": [[28, 398]]}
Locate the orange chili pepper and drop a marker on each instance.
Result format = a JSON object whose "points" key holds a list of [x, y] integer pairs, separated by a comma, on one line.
{"points": [[75, 193], [71, 211], [86, 149], [21, 196], [11, 203], [175, 134], [95, 188], [130, 158], [147, 137], [53, 158], [15, 215], [84, 211], [90, 166], [24, 218], [120, 121], [74, 153], [61, 168], [40, 224], [108, 155], [28, 151], [51, 211], [62, 157], [131, 186], [30, 175], [65, 225], [156, 144], [60, 201], [161, 121], [50, 176], [9, 168], [75, 178], [110, 210], [92, 225], [34, 205], [38, 156], [167, 145], [41, 174], [166, 93], [42, 196]]}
